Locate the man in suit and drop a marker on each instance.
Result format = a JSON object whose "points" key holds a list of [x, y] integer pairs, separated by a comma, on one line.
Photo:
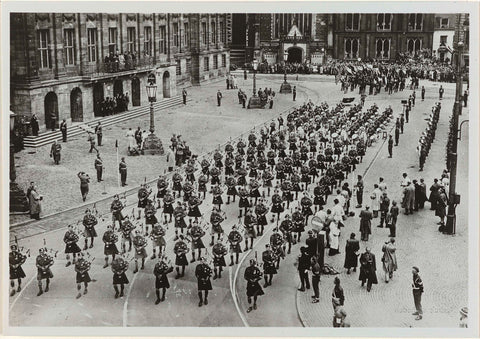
{"points": [[368, 269]]}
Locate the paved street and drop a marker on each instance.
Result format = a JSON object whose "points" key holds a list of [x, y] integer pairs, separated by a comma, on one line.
{"points": [[204, 126]]}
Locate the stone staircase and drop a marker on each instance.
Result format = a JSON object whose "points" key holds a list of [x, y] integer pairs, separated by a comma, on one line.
{"points": [[48, 137]]}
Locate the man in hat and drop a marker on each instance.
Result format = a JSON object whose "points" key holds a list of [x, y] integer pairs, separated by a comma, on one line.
{"points": [[366, 217], [389, 259], [122, 167], [384, 206], [203, 272], [99, 167], [368, 269], [303, 267], [417, 287]]}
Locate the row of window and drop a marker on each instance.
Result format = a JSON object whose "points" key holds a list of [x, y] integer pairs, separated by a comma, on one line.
{"points": [[180, 38], [384, 22], [206, 63], [382, 47]]}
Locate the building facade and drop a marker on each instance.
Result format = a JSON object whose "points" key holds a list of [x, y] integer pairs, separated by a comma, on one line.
{"points": [[443, 36], [62, 64]]}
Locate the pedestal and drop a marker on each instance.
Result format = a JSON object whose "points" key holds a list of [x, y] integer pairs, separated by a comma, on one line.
{"points": [[153, 145], [18, 199], [254, 102], [285, 88]]}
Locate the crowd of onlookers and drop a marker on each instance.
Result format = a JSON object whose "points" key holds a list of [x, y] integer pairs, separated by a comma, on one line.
{"points": [[115, 62], [112, 105]]}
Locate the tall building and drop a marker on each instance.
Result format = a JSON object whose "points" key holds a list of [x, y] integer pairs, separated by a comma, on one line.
{"points": [[62, 64], [443, 35]]}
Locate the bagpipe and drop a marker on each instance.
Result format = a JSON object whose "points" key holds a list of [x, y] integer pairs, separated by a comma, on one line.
{"points": [[144, 191], [205, 163], [47, 258], [254, 184], [241, 144], [120, 264], [194, 200], [204, 269], [127, 226], [177, 177], [217, 156], [241, 172], [229, 162], [230, 181], [254, 274], [139, 241], [267, 175], [188, 187], [203, 179], [276, 240], [110, 237], [219, 249], [269, 258], [162, 183], [150, 209], [196, 232], [217, 190], [261, 209], [180, 248], [21, 253], [271, 154], [157, 232], [89, 221], [163, 266], [306, 202], [179, 212], [190, 169], [229, 148], [286, 186], [72, 236], [217, 217], [235, 237], [117, 206], [215, 171], [84, 263], [168, 199]]}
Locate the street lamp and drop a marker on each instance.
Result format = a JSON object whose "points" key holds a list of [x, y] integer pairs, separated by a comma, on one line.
{"points": [[323, 54], [18, 198], [285, 87], [152, 145], [254, 101]]}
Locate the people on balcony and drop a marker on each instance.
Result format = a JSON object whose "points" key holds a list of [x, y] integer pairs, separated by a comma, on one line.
{"points": [[117, 62]]}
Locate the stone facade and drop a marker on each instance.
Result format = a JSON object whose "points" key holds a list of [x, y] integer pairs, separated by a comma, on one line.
{"points": [[59, 66]]}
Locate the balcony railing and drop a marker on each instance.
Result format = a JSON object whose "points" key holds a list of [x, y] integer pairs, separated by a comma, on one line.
{"points": [[117, 66]]}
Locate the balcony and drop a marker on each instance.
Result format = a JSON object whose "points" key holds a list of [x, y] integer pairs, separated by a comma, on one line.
{"points": [[121, 67]]}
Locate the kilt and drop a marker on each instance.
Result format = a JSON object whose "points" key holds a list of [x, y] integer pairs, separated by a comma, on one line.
{"points": [[197, 244], [17, 273], [72, 248], [161, 194], [217, 228], [296, 187], [219, 163], [204, 284], [217, 200], [44, 274], [90, 232], [306, 211], [318, 200], [232, 191], [262, 220], [85, 278], [280, 175], [219, 261], [253, 173], [160, 241], [287, 196], [313, 149], [305, 178], [152, 220], [110, 249], [215, 180], [142, 203], [206, 170], [271, 161], [194, 212], [117, 216], [177, 186], [250, 233], [255, 193], [277, 208], [262, 166], [269, 269], [162, 282], [293, 146], [120, 279], [241, 181], [282, 154], [229, 170], [235, 248], [140, 253], [267, 183], [298, 227], [180, 223], [202, 187], [168, 208], [254, 289], [181, 260], [243, 203]]}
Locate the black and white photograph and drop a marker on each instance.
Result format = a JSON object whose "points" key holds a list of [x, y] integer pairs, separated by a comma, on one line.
{"points": [[267, 168]]}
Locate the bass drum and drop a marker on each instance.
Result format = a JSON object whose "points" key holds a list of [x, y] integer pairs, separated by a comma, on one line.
{"points": [[316, 224]]}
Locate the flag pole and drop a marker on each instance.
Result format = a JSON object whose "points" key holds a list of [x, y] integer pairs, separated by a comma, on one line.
{"points": [[118, 172]]}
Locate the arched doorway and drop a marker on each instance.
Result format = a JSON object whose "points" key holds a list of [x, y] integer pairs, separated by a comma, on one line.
{"points": [[166, 85], [136, 91], [98, 96], [117, 87], [76, 105], [51, 110], [295, 55]]}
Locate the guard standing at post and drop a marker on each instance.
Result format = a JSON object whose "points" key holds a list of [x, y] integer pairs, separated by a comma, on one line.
{"points": [[390, 146], [123, 172], [99, 133], [99, 167]]}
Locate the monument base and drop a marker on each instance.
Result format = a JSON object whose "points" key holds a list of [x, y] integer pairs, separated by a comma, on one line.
{"points": [[18, 199], [255, 102], [285, 88], [153, 145]]}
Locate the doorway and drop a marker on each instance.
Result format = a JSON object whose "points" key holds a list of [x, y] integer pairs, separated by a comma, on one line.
{"points": [[166, 85], [117, 87], [98, 96], [51, 110], [136, 91], [294, 55], [76, 105]]}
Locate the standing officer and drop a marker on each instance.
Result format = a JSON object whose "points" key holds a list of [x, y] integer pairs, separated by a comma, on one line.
{"points": [[184, 95], [397, 135], [303, 267], [390, 146], [359, 189], [417, 287], [63, 129], [91, 139], [423, 93], [123, 171], [252, 276], [219, 98], [294, 91], [99, 133], [402, 122], [203, 272], [99, 167], [407, 112], [440, 94]]}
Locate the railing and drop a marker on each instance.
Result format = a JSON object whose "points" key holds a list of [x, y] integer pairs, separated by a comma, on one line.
{"points": [[108, 67]]}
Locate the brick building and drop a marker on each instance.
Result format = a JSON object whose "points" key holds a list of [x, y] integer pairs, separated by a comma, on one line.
{"points": [[382, 35], [61, 66]]}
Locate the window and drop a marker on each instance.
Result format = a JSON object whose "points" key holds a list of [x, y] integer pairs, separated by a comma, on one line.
{"points": [[222, 32], [224, 60], [444, 23], [179, 68], [175, 34], [415, 22], [214, 32], [131, 39], [382, 49], [215, 62], [352, 22], [206, 64], [352, 48], [414, 45], [186, 35], [163, 40], [443, 40], [112, 40], [69, 47], [204, 33], [44, 52], [147, 44], [92, 44], [384, 22]]}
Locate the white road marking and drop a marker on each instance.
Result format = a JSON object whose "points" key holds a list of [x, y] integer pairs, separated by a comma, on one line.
{"points": [[20, 293]]}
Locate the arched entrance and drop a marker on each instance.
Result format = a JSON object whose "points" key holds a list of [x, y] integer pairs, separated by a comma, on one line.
{"points": [[51, 110], [136, 91], [98, 96], [117, 87], [166, 85], [295, 55], [76, 105]]}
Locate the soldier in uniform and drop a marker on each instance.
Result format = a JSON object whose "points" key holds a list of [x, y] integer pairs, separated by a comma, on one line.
{"points": [[126, 228], [109, 239], [99, 133], [277, 206], [234, 238], [162, 186], [122, 168], [84, 180], [89, 222], [231, 189], [196, 233], [158, 240], [216, 218], [417, 287], [180, 249], [219, 98], [81, 267], [43, 263], [390, 146], [162, 268], [16, 259], [249, 221], [179, 214], [286, 228], [55, 152], [119, 267], [142, 194], [261, 211], [269, 269], [252, 276], [219, 251], [98, 164], [150, 218], [368, 267], [63, 129], [116, 208], [203, 272], [70, 239], [168, 206], [139, 242]]}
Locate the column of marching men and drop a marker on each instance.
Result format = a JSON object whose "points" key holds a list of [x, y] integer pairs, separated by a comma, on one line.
{"points": [[274, 176]]}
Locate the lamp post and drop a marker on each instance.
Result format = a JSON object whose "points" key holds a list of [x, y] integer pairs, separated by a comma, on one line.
{"points": [[152, 144], [285, 87], [254, 101], [18, 198], [323, 54]]}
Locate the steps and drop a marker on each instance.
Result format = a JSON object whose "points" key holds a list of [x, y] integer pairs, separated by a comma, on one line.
{"points": [[237, 56], [78, 128]]}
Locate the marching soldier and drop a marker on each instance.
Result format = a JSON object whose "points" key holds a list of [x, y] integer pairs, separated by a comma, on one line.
{"points": [[119, 267], [89, 222], [143, 194], [286, 228], [139, 242], [70, 239], [177, 184], [98, 164], [168, 206], [16, 259], [126, 228], [219, 251], [216, 219], [193, 211], [196, 233], [116, 208], [150, 218], [158, 240], [277, 206], [81, 267], [231, 189], [179, 214], [43, 262], [180, 249], [109, 239], [162, 268], [268, 257], [203, 272], [249, 222], [253, 275], [162, 186], [261, 211], [234, 238]]}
